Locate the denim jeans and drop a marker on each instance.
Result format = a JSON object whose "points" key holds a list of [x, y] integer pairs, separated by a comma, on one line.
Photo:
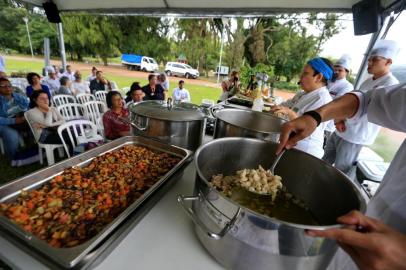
{"points": [[10, 139]]}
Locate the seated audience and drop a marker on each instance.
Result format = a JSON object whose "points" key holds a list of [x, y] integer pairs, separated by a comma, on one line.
{"points": [[35, 85], [99, 83], [92, 76], [134, 86], [137, 96], [164, 82], [12, 121], [52, 81], [79, 86], [69, 73], [16, 89], [65, 86], [44, 119], [152, 90], [180, 94], [116, 119]]}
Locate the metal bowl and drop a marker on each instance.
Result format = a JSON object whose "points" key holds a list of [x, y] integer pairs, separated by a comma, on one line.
{"points": [[240, 238]]}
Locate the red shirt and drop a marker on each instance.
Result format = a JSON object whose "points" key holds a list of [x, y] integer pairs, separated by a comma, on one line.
{"points": [[113, 126]]}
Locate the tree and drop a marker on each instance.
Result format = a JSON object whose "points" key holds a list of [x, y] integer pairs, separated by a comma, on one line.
{"points": [[95, 34], [234, 50]]}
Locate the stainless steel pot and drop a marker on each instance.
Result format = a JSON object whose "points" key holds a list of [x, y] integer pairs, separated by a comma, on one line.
{"points": [[181, 125], [247, 123], [239, 238]]}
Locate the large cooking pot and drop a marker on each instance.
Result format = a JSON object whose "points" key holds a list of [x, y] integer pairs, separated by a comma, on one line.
{"points": [[181, 125], [247, 123], [239, 238]]}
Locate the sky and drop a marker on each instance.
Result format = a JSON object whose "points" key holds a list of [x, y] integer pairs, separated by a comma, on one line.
{"points": [[346, 43]]}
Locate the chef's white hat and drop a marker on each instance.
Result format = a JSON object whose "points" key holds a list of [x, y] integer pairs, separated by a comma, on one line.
{"points": [[50, 69], [385, 48], [344, 61]]}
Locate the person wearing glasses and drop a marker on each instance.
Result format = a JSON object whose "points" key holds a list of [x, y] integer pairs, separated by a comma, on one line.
{"points": [[343, 146], [12, 108]]}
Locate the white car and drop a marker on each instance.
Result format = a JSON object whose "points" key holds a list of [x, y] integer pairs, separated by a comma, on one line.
{"points": [[181, 70]]}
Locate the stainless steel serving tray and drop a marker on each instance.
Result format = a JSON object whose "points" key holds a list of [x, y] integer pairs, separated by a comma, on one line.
{"points": [[69, 257]]}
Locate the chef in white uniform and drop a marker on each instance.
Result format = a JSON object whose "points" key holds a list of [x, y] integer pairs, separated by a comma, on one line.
{"points": [[313, 80], [344, 145], [384, 107], [339, 85]]}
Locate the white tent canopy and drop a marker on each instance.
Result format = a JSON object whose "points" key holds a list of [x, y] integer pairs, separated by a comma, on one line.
{"points": [[204, 7]]}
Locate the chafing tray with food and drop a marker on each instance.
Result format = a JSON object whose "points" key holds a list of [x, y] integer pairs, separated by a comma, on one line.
{"points": [[66, 210]]}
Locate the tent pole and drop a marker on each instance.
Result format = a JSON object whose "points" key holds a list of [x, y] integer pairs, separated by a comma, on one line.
{"points": [[61, 46]]}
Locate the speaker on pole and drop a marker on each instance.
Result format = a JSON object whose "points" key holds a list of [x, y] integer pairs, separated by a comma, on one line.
{"points": [[366, 16], [52, 12]]}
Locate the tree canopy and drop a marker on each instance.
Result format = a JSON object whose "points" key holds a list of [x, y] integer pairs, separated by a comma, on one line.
{"points": [[281, 44]]}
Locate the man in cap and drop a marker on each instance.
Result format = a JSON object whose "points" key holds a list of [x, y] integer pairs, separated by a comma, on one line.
{"points": [[346, 142], [52, 81], [339, 85]]}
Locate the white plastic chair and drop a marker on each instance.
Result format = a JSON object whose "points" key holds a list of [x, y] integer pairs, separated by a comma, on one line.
{"points": [[83, 98], [101, 96], [59, 100], [49, 148], [79, 132], [94, 112], [73, 111]]}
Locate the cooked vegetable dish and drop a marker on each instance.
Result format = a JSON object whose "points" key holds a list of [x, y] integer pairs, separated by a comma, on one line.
{"points": [[77, 204]]}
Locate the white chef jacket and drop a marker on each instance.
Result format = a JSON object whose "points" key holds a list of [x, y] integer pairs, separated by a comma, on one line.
{"points": [[385, 107], [360, 131], [303, 102], [53, 84], [337, 89]]}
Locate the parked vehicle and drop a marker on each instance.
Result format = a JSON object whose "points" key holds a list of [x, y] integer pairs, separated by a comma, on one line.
{"points": [[223, 70], [139, 62], [181, 70]]}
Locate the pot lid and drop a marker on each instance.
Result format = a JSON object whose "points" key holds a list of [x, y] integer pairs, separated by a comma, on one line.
{"points": [[161, 110]]}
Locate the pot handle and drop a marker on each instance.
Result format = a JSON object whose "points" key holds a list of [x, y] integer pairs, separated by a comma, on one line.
{"points": [[182, 199], [140, 127]]}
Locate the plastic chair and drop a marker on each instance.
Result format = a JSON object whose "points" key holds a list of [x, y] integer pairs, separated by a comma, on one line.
{"points": [[59, 100], [79, 132], [114, 86], [101, 96], [73, 111], [94, 112], [49, 148], [83, 98]]}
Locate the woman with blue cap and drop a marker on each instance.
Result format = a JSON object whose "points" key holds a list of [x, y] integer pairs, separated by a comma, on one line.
{"points": [[313, 81]]}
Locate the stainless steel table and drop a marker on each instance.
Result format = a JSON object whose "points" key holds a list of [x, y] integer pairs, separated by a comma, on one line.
{"points": [[163, 239]]}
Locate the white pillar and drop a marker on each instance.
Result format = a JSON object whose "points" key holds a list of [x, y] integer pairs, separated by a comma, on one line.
{"points": [[61, 46]]}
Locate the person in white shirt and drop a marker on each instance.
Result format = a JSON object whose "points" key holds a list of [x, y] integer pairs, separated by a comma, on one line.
{"points": [[92, 76], [313, 81], [69, 73], [57, 73], [79, 86], [164, 82], [377, 246], [52, 81], [346, 142], [2, 64], [181, 94], [339, 85]]}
